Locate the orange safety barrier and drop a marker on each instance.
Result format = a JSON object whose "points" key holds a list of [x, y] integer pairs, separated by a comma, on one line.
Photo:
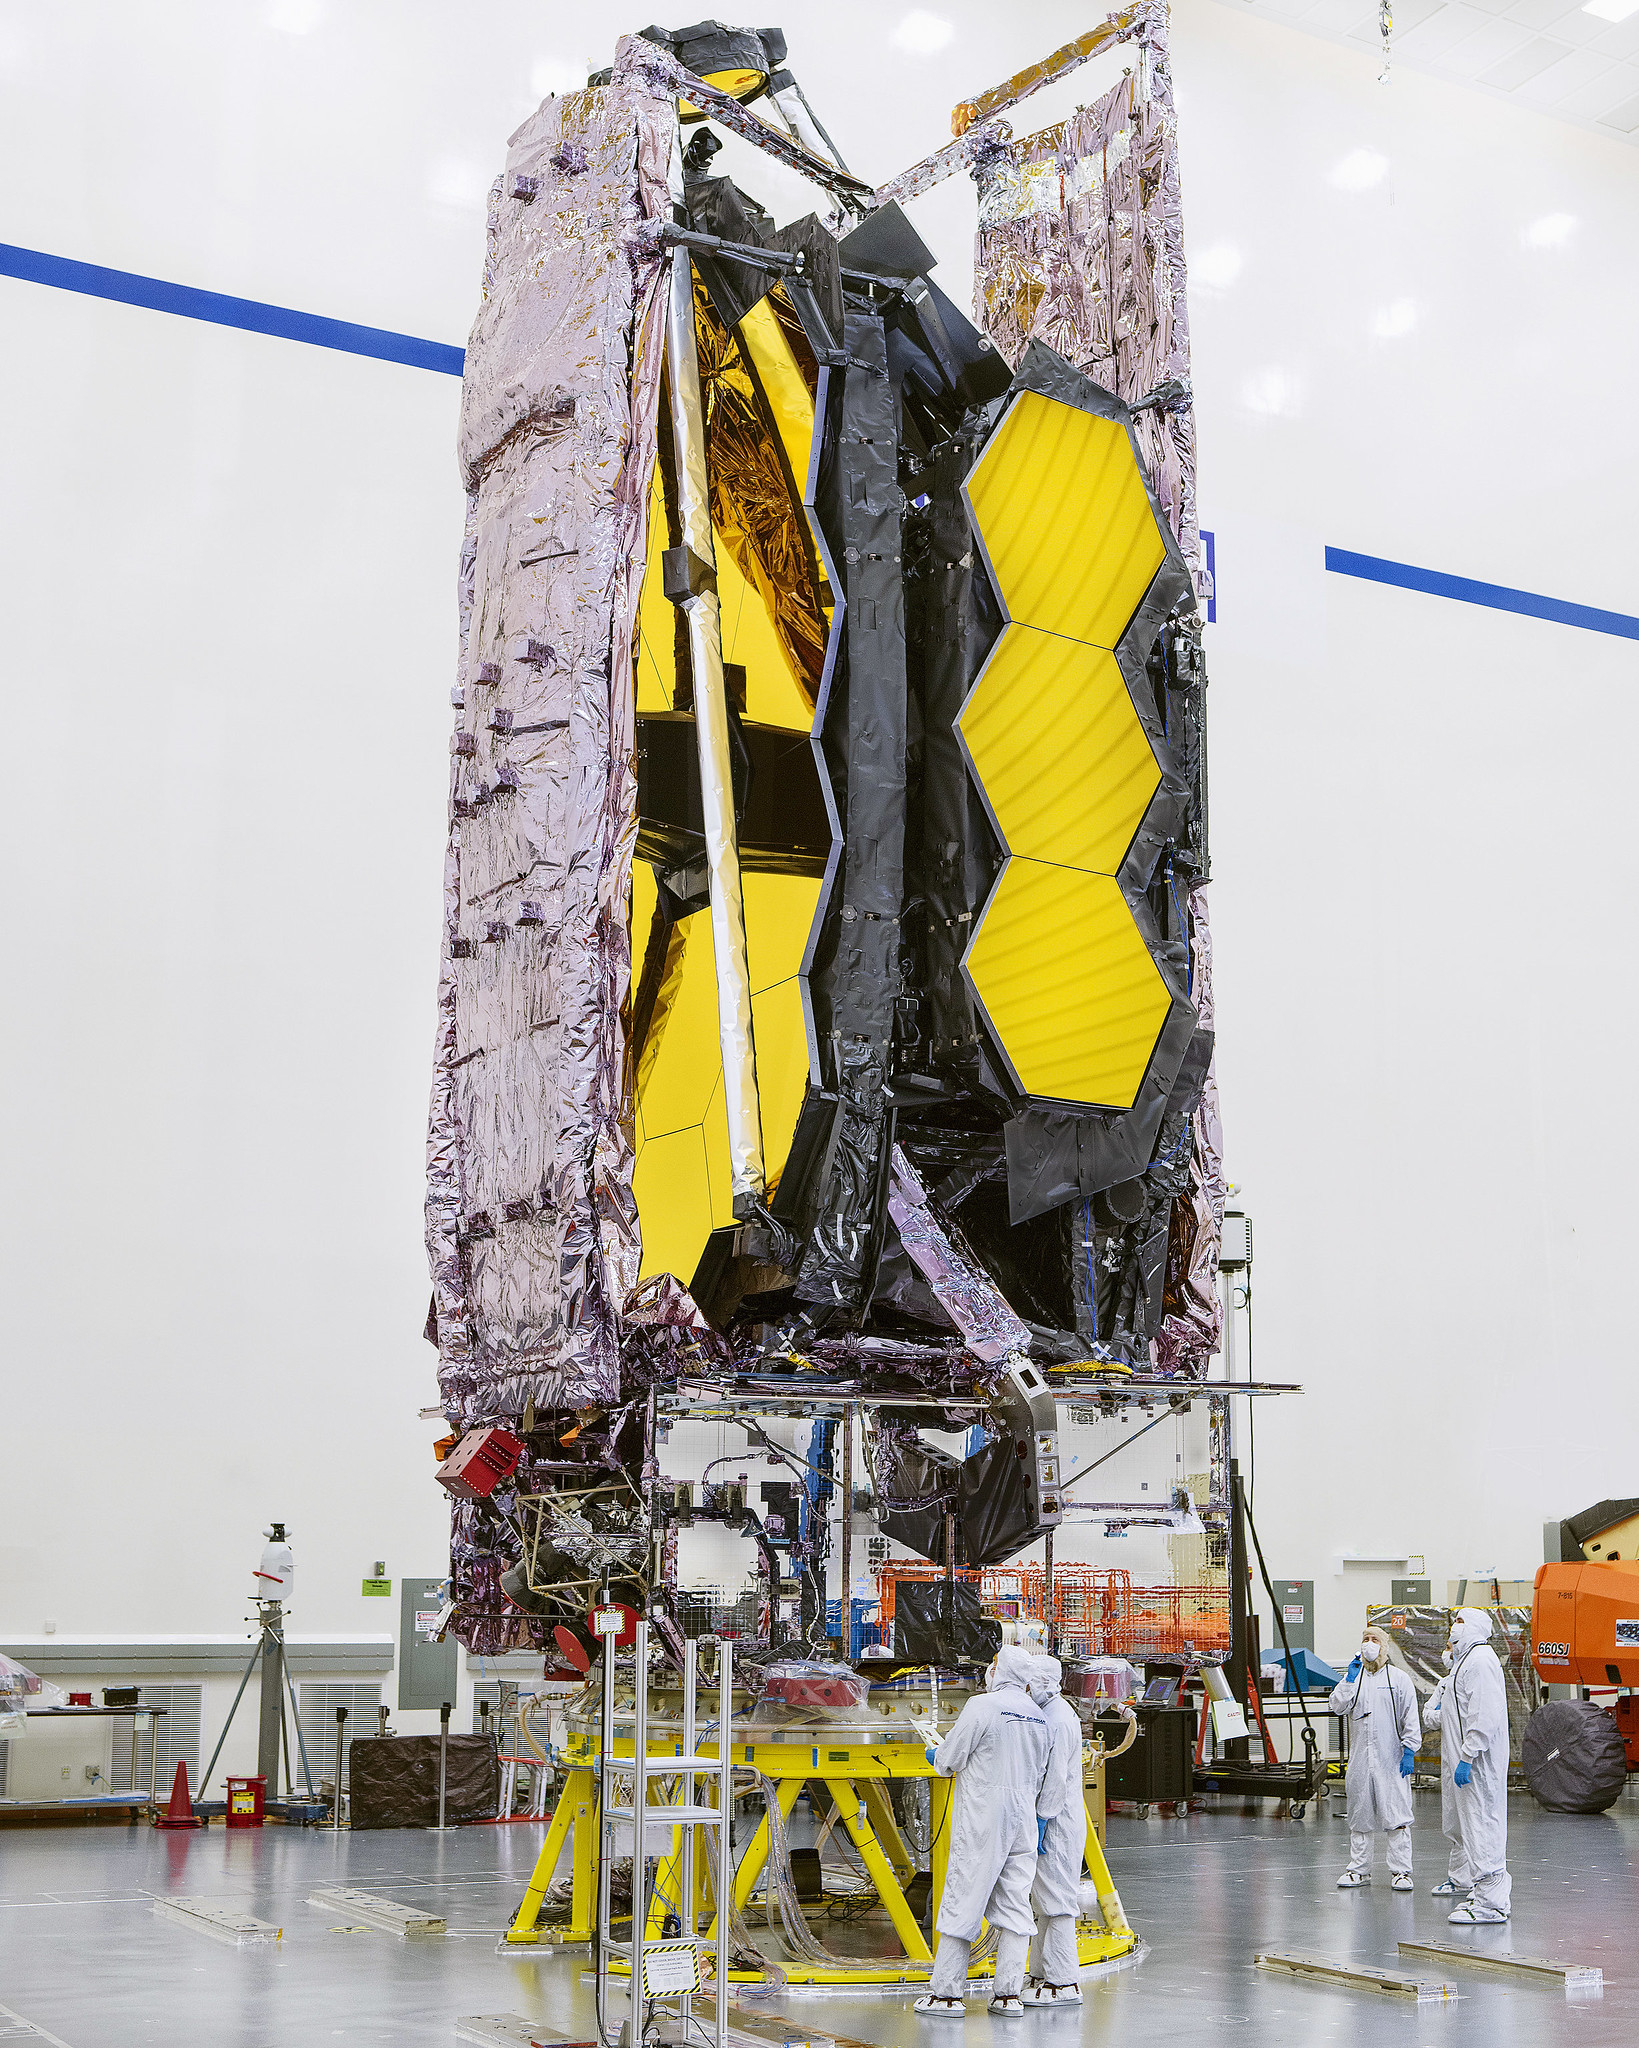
{"points": [[1169, 1621], [1097, 1611], [1011, 1592], [1089, 1602]]}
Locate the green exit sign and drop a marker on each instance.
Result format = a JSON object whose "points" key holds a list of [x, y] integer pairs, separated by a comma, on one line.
{"points": [[378, 1589]]}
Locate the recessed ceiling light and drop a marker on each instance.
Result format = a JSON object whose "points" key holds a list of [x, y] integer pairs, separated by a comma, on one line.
{"points": [[1363, 168], [922, 34], [1274, 392], [1217, 267], [1393, 321], [1612, 10], [551, 75], [1551, 232], [458, 182]]}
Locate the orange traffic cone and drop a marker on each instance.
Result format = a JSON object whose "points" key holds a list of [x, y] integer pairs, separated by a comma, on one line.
{"points": [[180, 1813]]}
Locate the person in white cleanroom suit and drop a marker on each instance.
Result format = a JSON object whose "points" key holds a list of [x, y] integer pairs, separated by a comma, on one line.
{"points": [[998, 1751], [1459, 1878], [1474, 1737], [1380, 1706], [1061, 1839]]}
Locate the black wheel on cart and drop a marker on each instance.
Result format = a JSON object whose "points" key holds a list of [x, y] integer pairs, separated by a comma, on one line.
{"points": [[1297, 1809]]}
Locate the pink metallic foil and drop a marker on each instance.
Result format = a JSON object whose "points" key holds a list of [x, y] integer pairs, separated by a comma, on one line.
{"points": [[532, 1229], [966, 1292], [1192, 1328], [1081, 245]]}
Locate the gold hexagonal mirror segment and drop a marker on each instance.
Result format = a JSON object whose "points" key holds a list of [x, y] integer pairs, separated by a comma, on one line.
{"points": [[681, 1177], [1057, 747], [1059, 503], [1071, 993]]}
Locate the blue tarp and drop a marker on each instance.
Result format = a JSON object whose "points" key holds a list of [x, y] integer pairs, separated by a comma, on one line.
{"points": [[1312, 1675]]}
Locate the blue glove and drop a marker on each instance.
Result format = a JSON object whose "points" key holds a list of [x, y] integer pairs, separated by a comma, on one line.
{"points": [[1408, 1762], [1041, 1836], [1463, 1772], [1353, 1670], [932, 1755]]}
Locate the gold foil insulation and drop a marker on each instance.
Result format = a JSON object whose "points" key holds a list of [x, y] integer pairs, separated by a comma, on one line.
{"points": [[756, 515]]}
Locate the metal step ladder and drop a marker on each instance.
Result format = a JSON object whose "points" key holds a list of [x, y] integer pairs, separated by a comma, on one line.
{"points": [[663, 2014]]}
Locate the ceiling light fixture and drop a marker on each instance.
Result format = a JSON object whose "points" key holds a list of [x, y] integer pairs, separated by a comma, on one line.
{"points": [[922, 34], [1360, 170], [1217, 267]]}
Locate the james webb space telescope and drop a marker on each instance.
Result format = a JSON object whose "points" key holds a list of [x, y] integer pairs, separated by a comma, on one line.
{"points": [[820, 1024]]}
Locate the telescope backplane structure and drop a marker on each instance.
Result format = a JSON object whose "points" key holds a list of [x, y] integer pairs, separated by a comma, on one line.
{"points": [[825, 1016]]}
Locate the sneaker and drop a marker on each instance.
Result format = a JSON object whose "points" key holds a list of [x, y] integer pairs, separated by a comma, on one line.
{"points": [[1352, 1880], [1449, 1888], [944, 2008], [1470, 1915], [1007, 2008], [1052, 1994], [1402, 1882]]}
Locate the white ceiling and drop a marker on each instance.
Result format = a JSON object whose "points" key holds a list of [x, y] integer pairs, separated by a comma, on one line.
{"points": [[1550, 55]]}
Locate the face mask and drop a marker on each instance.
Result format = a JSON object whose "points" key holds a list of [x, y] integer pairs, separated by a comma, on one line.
{"points": [[1371, 1651]]}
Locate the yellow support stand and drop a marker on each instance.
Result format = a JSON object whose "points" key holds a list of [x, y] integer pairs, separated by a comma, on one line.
{"points": [[857, 1776], [881, 1872], [576, 1814]]}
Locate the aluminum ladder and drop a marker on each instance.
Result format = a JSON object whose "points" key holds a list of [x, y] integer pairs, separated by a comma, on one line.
{"points": [[632, 1813]]}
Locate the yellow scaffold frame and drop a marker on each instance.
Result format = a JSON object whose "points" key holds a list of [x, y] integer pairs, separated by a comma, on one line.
{"points": [[856, 1775]]}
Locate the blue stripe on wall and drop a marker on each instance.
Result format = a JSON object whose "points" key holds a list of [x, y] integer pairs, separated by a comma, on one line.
{"points": [[284, 323], [1496, 596], [154, 293]]}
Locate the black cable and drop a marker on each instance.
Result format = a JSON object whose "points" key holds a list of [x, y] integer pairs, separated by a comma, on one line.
{"points": [[775, 1450], [1251, 1401], [1309, 1738]]}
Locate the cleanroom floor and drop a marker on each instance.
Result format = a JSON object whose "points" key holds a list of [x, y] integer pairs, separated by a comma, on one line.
{"points": [[85, 1963]]}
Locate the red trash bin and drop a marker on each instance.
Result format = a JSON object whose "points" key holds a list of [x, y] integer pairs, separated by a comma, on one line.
{"points": [[245, 1796]]}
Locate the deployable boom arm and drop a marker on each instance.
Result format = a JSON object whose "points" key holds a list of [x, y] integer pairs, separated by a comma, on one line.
{"points": [[700, 610]]}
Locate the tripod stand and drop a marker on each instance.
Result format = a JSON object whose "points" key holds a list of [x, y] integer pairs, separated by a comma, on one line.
{"points": [[276, 1685]]}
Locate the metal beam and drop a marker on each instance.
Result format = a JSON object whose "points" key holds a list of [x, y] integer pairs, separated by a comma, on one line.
{"points": [[1360, 1977], [1574, 1976], [700, 612]]}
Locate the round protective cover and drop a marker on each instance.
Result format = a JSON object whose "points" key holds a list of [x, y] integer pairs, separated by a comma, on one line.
{"points": [[1574, 1757]]}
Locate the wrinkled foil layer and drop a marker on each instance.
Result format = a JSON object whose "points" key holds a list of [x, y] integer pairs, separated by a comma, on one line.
{"points": [[1192, 1328], [751, 505], [531, 1226], [1081, 246], [966, 1292], [1419, 1636]]}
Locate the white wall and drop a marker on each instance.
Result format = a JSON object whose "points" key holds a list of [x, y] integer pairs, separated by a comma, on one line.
{"points": [[228, 636], [1420, 808]]}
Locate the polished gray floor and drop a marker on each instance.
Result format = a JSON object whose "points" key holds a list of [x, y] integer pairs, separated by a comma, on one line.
{"points": [[83, 1957]]}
